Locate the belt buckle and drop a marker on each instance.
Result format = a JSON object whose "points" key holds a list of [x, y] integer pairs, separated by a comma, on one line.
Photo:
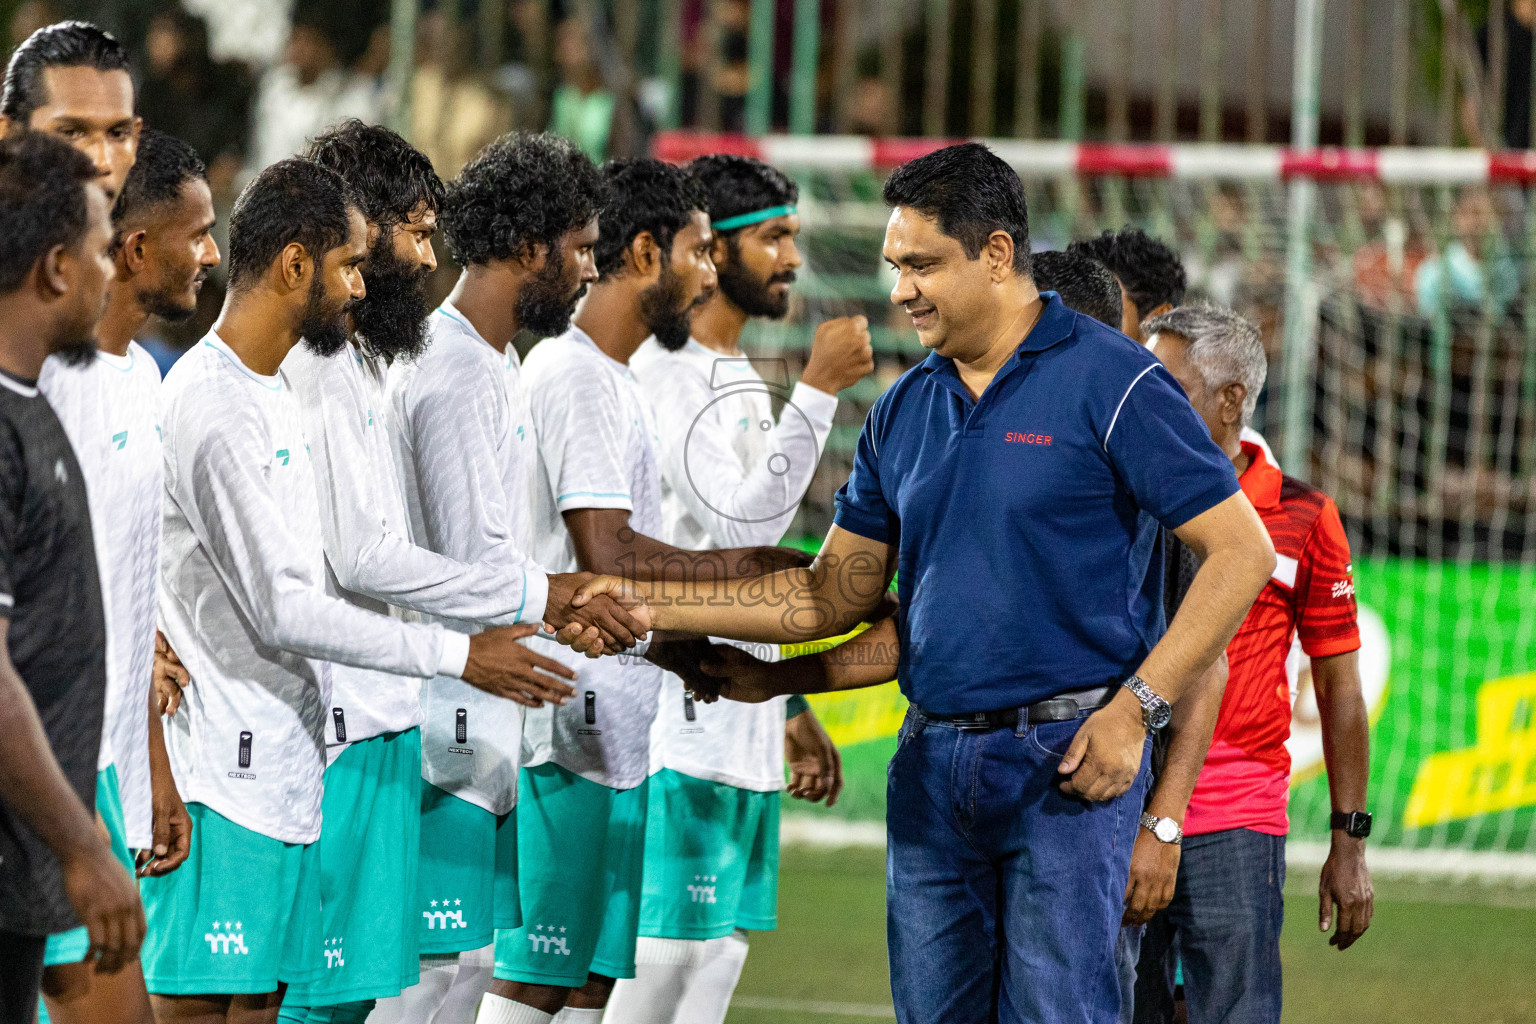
{"points": [[977, 722]]}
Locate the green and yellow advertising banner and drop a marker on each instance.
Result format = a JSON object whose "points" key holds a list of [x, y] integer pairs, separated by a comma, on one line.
{"points": [[1448, 666]]}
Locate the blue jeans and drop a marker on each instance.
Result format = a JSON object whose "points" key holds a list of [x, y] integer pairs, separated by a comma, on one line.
{"points": [[1003, 896], [1224, 925]]}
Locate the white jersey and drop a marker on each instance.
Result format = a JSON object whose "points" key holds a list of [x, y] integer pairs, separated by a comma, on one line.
{"points": [[370, 558], [597, 441], [731, 477], [110, 409], [464, 446], [243, 600]]}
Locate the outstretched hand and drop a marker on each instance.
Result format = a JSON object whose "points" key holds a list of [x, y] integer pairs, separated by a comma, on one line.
{"points": [[736, 675], [603, 613], [503, 667]]}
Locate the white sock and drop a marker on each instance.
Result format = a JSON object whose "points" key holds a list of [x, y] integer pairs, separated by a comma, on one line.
{"points": [[664, 968], [419, 1003], [473, 977], [714, 982], [575, 1015], [496, 1009]]}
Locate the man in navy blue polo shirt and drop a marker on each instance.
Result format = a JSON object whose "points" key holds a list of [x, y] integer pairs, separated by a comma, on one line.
{"points": [[1016, 478]]}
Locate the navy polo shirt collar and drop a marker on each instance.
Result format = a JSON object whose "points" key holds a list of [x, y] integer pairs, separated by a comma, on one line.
{"points": [[1053, 327]]}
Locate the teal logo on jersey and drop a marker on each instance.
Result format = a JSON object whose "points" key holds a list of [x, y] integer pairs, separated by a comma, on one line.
{"points": [[745, 422], [120, 439], [282, 453], [370, 417], [519, 433]]}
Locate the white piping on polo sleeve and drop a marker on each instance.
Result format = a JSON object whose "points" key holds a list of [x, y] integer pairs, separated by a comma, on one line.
{"points": [[1116, 417]]}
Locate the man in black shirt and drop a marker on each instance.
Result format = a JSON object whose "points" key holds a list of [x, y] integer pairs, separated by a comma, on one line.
{"points": [[56, 869]]}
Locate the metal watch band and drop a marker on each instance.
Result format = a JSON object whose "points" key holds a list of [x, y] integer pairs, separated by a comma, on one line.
{"points": [[1155, 711], [1150, 822]]}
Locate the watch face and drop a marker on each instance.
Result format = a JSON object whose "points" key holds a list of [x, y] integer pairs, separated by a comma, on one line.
{"points": [[1158, 716], [1166, 830]]}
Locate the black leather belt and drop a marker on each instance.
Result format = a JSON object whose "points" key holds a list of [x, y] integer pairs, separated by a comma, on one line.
{"points": [[1061, 708]]}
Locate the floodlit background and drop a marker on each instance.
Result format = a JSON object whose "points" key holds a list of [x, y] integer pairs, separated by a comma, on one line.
{"points": [[1392, 279]]}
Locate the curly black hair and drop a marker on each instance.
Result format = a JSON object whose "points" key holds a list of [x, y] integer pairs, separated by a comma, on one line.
{"points": [[523, 190], [389, 178], [971, 192], [68, 44], [42, 201], [1084, 284], [1150, 272], [735, 185], [644, 195], [293, 200], [163, 165]]}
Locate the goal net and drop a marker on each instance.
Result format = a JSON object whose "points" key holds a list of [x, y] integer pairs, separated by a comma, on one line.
{"points": [[1419, 418]]}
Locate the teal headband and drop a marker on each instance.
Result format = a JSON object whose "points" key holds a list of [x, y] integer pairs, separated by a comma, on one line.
{"points": [[756, 217]]}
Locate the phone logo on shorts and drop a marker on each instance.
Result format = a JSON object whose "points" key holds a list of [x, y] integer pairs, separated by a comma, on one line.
{"points": [[591, 708], [340, 718], [689, 712], [461, 725]]}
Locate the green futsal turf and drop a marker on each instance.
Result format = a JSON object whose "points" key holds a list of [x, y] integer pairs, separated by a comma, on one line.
{"points": [[1437, 952]]}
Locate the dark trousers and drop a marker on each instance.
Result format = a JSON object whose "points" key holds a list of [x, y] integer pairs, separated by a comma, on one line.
{"points": [[1224, 926], [1003, 896], [21, 976]]}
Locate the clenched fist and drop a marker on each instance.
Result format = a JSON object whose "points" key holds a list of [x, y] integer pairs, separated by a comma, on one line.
{"points": [[841, 355]]}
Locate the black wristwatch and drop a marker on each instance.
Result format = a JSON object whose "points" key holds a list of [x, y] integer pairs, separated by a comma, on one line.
{"points": [[1356, 824]]}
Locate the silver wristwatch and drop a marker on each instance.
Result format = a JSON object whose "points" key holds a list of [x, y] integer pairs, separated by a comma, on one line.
{"points": [[1155, 712], [1164, 830]]}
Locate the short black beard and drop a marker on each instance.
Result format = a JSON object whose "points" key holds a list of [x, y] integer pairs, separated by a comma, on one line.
{"points": [[165, 306], [751, 294], [543, 307], [78, 352], [324, 331], [391, 320], [659, 312]]}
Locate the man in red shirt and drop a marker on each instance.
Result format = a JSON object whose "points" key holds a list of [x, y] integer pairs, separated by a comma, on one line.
{"points": [[1227, 909]]}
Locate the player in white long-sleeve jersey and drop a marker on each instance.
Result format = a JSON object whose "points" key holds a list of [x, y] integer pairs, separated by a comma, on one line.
{"points": [[520, 219], [110, 410], [243, 602], [581, 821], [731, 476]]}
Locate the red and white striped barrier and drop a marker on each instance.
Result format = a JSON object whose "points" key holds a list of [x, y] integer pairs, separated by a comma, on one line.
{"points": [[1200, 161]]}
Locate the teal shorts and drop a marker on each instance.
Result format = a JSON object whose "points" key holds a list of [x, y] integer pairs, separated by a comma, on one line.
{"points": [[468, 885], [240, 916], [581, 848], [70, 947], [711, 859], [370, 842]]}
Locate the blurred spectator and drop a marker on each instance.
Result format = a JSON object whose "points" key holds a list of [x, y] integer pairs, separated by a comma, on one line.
{"points": [[1476, 266], [453, 112], [186, 94], [253, 32], [1519, 18], [1387, 265], [30, 16], [312, 88], [871, 108], [583, 105]]}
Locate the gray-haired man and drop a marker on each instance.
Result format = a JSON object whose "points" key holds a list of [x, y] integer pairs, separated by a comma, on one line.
{"points": [[1227, 906]]}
